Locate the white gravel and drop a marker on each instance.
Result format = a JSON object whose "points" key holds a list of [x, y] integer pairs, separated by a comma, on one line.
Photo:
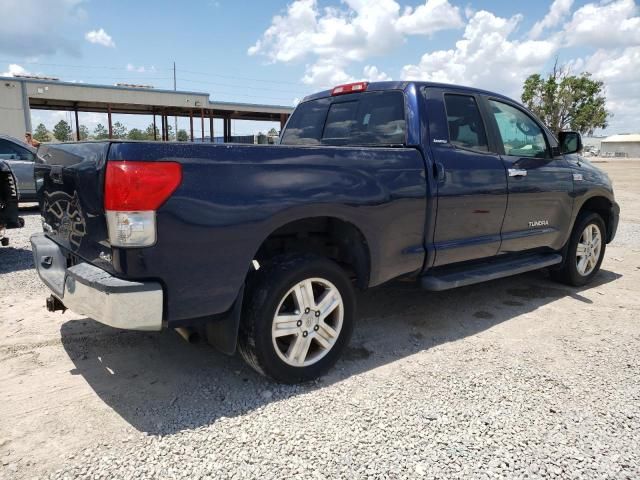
{"points": [[518, 378]]}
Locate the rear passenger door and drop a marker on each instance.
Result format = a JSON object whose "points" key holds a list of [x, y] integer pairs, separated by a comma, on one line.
{"points": [[471, 186], [540, 181]]}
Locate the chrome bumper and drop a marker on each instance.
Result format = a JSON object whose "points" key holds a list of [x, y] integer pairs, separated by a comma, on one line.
{"points": [[89, 290]]}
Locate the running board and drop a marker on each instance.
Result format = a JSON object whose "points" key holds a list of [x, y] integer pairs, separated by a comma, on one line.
{"points": [[453, 277]]}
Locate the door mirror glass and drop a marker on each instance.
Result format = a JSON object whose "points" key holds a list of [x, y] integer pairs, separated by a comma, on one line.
{"points": [[570, 142]]}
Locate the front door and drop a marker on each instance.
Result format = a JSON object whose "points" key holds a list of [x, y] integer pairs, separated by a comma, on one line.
{"points": [[472, 186], [540, 184]]}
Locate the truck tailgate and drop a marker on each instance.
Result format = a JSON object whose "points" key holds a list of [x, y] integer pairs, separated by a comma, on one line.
{"points": [[70, 189]]}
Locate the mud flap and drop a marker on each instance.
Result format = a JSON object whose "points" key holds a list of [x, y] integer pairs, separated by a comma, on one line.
{"points": [[222, 333]]}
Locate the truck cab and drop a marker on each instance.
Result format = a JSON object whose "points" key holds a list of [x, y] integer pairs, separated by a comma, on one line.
{"points": [[262, 246]]}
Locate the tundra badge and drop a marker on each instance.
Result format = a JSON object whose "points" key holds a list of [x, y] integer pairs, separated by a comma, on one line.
{"points": [[539, 223]]}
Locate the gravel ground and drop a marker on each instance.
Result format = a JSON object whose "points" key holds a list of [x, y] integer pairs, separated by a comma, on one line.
{"points": [[517, 378]]}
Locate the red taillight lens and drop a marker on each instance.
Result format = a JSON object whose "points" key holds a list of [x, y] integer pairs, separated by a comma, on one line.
{"points": [[137, 186], [349, 88]]}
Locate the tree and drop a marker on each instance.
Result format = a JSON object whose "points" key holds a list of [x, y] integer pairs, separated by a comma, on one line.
{"points": [[84, 132], [62, 131], [148, 133], [273, 132], [564, 101], [118, 130], [100, 132], [41, 134], [183, 136], [137, 134]]}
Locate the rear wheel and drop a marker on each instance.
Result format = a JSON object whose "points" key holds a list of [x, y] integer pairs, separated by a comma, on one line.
{"points": [[298, 318], [585, 251]]}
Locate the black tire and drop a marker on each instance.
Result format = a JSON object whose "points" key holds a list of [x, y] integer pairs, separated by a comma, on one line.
{"points": [[266, 289], [569, 273]]}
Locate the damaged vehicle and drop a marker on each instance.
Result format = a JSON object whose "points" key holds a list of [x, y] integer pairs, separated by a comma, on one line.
{"points": [[9, 215]]}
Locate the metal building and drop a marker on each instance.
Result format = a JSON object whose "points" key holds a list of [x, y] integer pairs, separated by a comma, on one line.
{"points": [[626, 145], [19, 95]]}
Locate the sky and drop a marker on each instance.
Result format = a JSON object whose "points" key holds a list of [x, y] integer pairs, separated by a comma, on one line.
{"points": [[277, 52]]}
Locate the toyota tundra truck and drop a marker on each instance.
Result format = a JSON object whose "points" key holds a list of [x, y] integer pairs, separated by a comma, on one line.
{"points": [[263, 247]]}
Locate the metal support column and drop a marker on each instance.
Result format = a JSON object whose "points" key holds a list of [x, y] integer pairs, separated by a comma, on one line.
{"points": [[211, 127], [162, 127], [77, 124], [225, 130], [202, 123], [109, 121], [283, 120], [191, 124], [155, 135]]}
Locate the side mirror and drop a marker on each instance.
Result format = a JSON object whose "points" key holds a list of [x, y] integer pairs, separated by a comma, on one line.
{"points": [[570, 142]]}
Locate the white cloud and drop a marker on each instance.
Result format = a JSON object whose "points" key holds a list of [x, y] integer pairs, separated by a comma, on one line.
{"points": [[429, 18], [486, 56], [618, 69], [372, 74], [100, 37], [15, 69], [604, 24], [335, 37], [140, 68], [557, 11], [37, 27]]}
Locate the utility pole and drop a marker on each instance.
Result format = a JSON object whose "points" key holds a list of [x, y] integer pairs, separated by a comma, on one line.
{"points": [[175, 119]]}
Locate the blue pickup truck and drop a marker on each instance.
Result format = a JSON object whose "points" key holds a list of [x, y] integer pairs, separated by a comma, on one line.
{"points": [[263, 247]]}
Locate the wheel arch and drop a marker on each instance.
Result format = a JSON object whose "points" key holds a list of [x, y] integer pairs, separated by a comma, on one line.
{"points": [[602, 206], [328, 236]]}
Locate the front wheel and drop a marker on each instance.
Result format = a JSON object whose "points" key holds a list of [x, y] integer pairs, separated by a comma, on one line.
{"points": [[585, 251], [298, 317]]}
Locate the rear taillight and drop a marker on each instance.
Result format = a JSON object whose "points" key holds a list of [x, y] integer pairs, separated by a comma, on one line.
{"points": [[349, 88], [133, 191]]}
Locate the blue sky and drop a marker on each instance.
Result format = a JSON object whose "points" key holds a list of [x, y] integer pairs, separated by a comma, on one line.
{"points": [[278, 51]]}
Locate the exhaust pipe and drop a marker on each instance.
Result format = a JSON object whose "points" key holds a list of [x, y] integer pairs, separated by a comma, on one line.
{"points": [[54, 304], [189, 334]]}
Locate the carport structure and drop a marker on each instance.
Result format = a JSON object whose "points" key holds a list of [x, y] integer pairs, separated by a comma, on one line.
{"points": [[19, 95]]}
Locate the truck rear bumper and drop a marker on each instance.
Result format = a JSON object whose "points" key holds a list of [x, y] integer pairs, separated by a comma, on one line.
{"points": [[89, 290]]}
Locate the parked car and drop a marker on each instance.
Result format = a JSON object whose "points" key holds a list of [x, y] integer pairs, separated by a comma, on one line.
{"points": [[21, 157], [263, 246], [9, 217]]}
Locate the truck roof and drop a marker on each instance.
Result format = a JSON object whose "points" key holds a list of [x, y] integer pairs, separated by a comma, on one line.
{"points": [[402, 85]]}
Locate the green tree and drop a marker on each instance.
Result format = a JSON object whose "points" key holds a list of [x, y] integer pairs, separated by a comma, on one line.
{"points": [[41, 134], [183, 136], [62, 131], [273, 132], [136, 134], [149, 132], [84, 132], [118, 130], [100, 132], [564, 101]]}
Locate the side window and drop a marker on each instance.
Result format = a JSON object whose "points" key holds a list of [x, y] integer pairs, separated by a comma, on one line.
{"points": [[520, 134], [466, 129], [24, 154], [7, 150]]}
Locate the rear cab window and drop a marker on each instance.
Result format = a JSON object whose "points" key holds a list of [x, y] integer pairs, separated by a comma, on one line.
{"points": [[369, 118]]}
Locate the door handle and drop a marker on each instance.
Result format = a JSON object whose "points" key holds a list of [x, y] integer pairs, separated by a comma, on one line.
{"points": [[517, 172]]}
